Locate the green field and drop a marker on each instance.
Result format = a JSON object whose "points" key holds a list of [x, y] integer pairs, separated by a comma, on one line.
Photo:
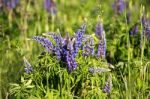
{"points": [[100, 49]]}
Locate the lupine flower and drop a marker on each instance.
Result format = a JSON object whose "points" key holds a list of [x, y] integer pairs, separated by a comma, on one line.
{"points": [[108, 86], [148, 32], [58, 46], [102, 42], [44, 42], [70, 57], [101, 49], [86, 37], [78, 38], [118, 6], [65, 49], [88, 49], [98, 70], [11, 4], [50, 6], [56, 37], [99, 30], [146, 27], [134, 30], [28, 68], [71, 63], [144, 21]]}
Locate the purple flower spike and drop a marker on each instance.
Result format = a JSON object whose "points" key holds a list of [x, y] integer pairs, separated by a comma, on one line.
{"points": [[134, 30], [11, 4], [144, 21], [50, 6], [28, 68], [78, 38], [44, 42], [108, 86], [71, 63], [101, 49], [102, 43], [99, 30], [148, 32], [88, 49], [118, 6], [58, 40], [70, 57], [98, 70]]}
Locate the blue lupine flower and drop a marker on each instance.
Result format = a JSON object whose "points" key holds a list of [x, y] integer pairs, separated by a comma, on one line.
{"points": [[88, 49], [50, 6], [78, 38], [71, 63], [44, 42], [98, 70], [102, 40], [91, 70], [65, 49], [58, 47], [11, 4], [148, 32], [118, 6], [70, 57], [101, 53], [144, 21], [99, 30], [134, 30], [108, 86], [28, 68]]}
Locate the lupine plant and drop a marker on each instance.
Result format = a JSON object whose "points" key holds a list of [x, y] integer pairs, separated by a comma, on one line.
{"points": [[11, 4], [63, 55], [50, 6]]}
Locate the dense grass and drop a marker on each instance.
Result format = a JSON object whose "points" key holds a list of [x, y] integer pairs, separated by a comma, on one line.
{"points": [[128, 54]]}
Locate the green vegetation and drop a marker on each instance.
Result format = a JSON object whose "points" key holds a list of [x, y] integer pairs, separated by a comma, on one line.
{"points": [[125, 69]]}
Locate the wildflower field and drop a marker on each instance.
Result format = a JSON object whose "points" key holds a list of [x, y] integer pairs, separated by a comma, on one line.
{"points": [[74, 49]]}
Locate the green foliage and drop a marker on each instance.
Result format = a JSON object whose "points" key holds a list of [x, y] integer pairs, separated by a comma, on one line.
{"points": [[50, 78]]}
